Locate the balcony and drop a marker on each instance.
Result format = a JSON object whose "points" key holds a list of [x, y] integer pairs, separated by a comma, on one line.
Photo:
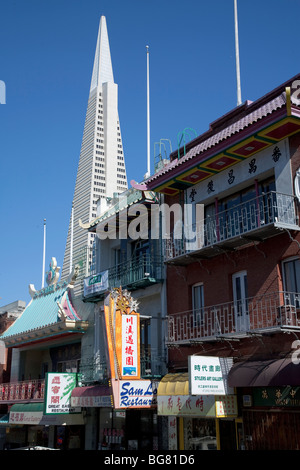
{"points": [[133, 274], [254, 220], [277, 311], [18, 392]]}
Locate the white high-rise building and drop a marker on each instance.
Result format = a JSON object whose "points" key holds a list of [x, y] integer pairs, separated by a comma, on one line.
{"points": [[101, 170]]}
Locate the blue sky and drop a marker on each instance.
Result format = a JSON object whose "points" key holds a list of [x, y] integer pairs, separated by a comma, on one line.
{"points": [[46, 57]]}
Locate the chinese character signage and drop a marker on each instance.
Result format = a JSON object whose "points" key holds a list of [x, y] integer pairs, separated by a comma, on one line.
{"points": [[59, 387], [186, 405], [129, 345], [226, 406], [172, 433], [208, 375], [123, 335], [276, 396]]}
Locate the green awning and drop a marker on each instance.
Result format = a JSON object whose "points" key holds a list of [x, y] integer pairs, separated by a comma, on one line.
{"points": [[33, 413], [4, 420], [27, 407]]}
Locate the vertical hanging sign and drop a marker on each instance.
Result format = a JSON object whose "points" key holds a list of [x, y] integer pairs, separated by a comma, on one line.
{"points": [[122, 325], [59, 387], [129, 346]]}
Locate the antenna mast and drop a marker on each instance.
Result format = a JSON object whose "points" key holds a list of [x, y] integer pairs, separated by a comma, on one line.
{"points": [[148, 116], [44, 254], [238, 77]]}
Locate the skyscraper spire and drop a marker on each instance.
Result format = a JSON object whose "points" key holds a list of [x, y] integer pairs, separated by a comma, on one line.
{"points": [[102, 70], [101, 170]]}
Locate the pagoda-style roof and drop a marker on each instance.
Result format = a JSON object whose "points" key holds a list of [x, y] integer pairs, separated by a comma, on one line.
{"points": [[120, 203], [49, 314], [239, 134]]}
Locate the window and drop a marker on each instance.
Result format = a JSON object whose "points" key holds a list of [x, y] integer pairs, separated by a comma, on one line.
{"points": [[145, 342], [240, 298], [291, 275], [198, 303], [68, 366], [291, 281], [241, 212]]}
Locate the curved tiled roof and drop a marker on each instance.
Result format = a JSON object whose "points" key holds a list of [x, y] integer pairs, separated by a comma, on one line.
{"points": [[218, 137], [51, 306]]}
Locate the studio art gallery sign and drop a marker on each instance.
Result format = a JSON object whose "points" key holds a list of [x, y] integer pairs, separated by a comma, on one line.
{"points": [[208, 375]]}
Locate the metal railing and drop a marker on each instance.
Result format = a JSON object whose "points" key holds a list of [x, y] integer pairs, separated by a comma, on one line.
{"points": [[143, 268], [265, 312], [266, 209], [93, 370], [137, 271], [32, 390]]}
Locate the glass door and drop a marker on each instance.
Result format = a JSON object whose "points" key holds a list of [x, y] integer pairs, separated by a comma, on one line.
{"points": [[240, 300]]}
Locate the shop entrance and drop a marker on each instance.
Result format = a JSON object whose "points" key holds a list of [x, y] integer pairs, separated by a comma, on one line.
{"points": [[267, 430], [227, 434], [130, 429], [141, 430]]}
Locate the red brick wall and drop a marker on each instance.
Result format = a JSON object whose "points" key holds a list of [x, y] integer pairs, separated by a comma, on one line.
{"points": [[263, 266], [294, 143]]}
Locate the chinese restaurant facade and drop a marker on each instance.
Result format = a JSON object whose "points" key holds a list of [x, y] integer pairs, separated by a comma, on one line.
{"points": [[122, 410], [45, 346], [233, 264], [269, 399], [201, 409]]}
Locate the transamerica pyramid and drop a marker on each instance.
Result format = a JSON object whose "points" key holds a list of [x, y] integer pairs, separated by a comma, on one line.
{"points": [[101, 170]]}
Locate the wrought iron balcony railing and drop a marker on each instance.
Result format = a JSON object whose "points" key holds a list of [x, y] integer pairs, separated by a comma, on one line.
{"points": [[93, 370], [136, 272], [258, 216], [256, 314], [28, 390]]}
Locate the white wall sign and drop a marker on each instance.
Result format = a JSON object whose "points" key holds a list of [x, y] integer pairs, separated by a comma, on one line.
{"points": [[208, 375], [59, 387], [186, 405], [130, 345]]}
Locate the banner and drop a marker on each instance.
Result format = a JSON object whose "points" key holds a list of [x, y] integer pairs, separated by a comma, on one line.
{"points": [[95, 284]]}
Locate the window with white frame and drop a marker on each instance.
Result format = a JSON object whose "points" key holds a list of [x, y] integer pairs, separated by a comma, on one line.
{"points": [[291, 281]]}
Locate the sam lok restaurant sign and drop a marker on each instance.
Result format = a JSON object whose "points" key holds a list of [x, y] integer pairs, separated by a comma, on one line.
{"points": [[134, 393]]}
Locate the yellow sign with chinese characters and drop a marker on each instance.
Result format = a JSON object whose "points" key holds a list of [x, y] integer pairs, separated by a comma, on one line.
{"points": [[226, 406]]}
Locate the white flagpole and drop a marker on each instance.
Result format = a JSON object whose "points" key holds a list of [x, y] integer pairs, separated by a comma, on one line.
{"points": [[71, 242], [44, 254], [148, 116], [238, 77]]}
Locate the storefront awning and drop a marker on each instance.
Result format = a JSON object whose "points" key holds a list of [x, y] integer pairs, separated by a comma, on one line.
{"points": [[173, 398], [174, 384], [268, 373], [33, 413], [92, 396], [4, 420]]}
